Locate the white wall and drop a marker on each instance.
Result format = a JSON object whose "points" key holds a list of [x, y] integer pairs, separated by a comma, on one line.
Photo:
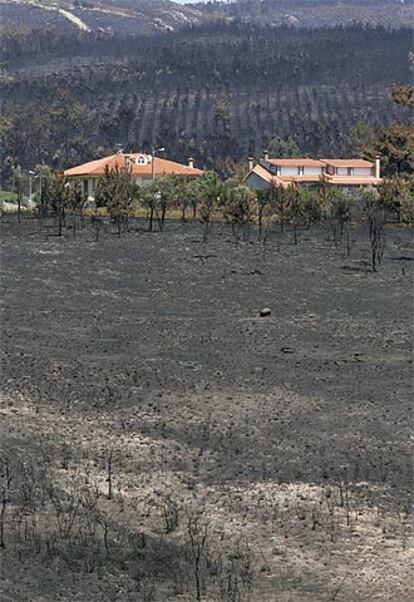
{"points": [[308, 171], [253, 181], [288, 171], [357, 171], [313, 171], [364, 171]]}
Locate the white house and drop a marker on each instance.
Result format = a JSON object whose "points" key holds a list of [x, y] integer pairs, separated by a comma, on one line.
{"points": [[140, 166], [305, 172]]}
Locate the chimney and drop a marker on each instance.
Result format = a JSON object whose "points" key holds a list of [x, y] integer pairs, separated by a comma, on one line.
{"points": [[377, 167], [266, 155], [128, 164], [251, 162], [191, 162]]}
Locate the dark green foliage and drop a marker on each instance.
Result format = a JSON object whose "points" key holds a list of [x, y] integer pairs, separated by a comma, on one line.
{"points": [[116, 191], [283, 148], [209, 191], [394, 143]]}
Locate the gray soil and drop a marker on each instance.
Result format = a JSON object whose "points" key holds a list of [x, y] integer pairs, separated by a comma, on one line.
{"points": [[152, 346]]}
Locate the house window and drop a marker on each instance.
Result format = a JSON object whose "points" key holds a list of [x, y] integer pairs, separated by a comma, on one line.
{"points": [[85, 186], [141, 160], [350, 171], [301, 171]]}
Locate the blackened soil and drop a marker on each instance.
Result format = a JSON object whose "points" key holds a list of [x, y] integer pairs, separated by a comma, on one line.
{"points": [[162, 333]]}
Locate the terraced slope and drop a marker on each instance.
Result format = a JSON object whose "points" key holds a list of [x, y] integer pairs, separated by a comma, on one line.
{"points": [[213, 92]]}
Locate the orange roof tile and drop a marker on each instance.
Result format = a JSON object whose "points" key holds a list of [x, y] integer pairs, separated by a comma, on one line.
{"points": [[119, 161], [96, 167], [286, 181], [261, 172], [348, 163], [297, 162]]}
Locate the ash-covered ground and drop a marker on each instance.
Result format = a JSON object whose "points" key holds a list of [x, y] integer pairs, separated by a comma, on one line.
{"points": [[285, 439]]}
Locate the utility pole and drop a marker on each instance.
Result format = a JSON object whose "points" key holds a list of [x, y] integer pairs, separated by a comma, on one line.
{"points": [[154, 152], [31, 174], [42, 208]]}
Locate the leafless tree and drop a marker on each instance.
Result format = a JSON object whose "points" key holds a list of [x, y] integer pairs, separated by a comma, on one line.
{"points": [[376, 216], [6, 477], [109, 468], [170, 512], [197, 530]]}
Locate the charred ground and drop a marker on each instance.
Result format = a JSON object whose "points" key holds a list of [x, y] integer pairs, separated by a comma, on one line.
{"points": [[287, 436]]}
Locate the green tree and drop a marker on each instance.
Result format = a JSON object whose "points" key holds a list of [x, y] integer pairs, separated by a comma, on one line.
{"points": [[193, 195], [55, 197], [342, 211], [166, 190], [44, 176], [403, 94], [296, 204], [116, 191], [396, 196], [210, 190], [283, 148], [149, 200], [395, 145], [361, 141], [262, 201], [180, 196], [237, 205], [325, 197], [313, 214], [279, 203], [77, 201]]}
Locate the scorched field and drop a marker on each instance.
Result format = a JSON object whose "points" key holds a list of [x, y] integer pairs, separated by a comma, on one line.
{"points": [[159, 440]]}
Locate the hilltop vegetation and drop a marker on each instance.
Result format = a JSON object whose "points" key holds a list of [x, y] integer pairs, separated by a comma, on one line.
{"points": [[215, 91]]}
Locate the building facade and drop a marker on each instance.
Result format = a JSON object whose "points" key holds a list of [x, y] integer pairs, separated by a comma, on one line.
{"points": [[307, 173]]}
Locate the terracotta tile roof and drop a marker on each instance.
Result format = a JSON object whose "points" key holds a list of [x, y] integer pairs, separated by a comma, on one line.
{"points": [[297, 162], [164, 167], [96, 167], [286, 181], [348, 163], [265, 175], [262, 173], [118, 161]]}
